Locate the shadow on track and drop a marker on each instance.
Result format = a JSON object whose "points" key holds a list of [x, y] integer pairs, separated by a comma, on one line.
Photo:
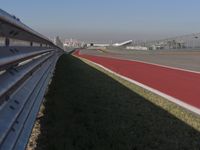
{"points": [[87, 110]]}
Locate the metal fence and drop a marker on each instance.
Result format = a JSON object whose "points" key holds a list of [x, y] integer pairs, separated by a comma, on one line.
{"points": [[27, 62], [190, 41]]}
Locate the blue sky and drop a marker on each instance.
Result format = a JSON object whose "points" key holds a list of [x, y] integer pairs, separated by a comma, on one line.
{"points": [[104, 20]]}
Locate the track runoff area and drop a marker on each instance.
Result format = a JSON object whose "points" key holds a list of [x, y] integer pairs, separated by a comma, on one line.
{"points": [[179, 85]]}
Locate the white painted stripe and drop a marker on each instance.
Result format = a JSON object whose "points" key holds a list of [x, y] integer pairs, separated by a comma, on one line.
{"points": [[170, 98]]}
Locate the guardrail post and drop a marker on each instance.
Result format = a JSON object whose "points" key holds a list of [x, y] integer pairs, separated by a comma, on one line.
{"points": [[7, 42]]}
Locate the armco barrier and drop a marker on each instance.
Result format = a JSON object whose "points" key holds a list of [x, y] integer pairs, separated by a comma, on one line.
{"points": [[27, 62]]}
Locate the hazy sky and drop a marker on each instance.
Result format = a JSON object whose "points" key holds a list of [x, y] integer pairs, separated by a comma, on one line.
{"points": [[106, 20]]}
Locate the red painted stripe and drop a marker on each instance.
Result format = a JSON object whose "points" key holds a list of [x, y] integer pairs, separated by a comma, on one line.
{"points": [[179, 84]]}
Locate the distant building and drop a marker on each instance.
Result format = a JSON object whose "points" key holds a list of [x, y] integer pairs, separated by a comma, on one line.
{"points": [[137, 48], [73, 43], [123, 44]]}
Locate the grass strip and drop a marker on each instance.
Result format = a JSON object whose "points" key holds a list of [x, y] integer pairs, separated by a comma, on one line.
{"points": [[86, 109]]}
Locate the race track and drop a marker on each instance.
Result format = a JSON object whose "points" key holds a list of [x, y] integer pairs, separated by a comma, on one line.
{"points": [[178, 85]]}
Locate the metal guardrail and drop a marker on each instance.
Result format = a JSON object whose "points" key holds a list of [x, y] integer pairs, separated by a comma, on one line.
{"points": [[25, 72]]}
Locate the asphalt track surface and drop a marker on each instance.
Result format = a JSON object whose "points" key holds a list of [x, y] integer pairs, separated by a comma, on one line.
{"points": [[181, 85]]}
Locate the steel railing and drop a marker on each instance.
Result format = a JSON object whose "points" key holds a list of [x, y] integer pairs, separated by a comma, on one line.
{"points": [[25, 72]]}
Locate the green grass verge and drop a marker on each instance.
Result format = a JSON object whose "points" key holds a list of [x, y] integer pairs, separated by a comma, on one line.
{"points": [[181, 113], [88, 110]]}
